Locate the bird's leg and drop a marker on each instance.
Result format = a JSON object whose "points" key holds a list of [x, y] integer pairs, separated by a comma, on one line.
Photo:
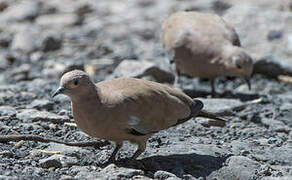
{"points": [[177, 79], [212, 81], [140, 150], [116, 150]]}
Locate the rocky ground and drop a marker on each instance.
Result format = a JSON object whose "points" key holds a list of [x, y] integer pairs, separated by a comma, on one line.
{"points": [[41, 39]]}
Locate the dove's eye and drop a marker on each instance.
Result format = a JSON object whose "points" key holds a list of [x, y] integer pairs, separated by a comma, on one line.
{"points": [[74, 84]]}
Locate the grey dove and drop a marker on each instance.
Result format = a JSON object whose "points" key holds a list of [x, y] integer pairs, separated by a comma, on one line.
{"points": [[203, 45], [126, 108]]}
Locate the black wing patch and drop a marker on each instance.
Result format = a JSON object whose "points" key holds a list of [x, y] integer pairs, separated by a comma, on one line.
{"points": [[135, 132]]}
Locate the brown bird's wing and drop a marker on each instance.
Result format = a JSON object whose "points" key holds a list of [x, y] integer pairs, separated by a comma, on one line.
{"points": [[146, 107]]}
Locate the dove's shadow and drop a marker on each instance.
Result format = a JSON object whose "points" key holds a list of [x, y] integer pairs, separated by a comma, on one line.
{"points": [[193, 164]]}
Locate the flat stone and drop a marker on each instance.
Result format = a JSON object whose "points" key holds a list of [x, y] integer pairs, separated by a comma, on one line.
{"points": [[278, 178], [86, 172], [7, 111], [280, 155], [24, 40], [275, 125], [66, 177], [24, 10], [120, 172], [141, 68], [41, 104], [53, 69], [33, 115], [51, 42], [66, 150], [57, 20], [9, 177], [6, 97], [53, 161], [237, 167], [221, 106], [163, 175]]}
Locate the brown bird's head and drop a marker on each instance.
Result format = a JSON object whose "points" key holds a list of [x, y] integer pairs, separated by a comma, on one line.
{"points": [[75, 84], [238, 63]]}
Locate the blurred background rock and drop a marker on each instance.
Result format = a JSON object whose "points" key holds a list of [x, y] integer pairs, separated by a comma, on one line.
{"points": [[53, 35]]}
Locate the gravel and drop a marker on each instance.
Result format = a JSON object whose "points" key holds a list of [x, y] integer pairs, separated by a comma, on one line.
{"points": [[40, 40]]}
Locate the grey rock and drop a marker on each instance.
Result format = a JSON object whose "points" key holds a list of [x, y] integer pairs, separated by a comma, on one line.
{"points": [[21, 73], [31, 170], [255, 39], [3, 5], [67, 150], [67, 177], [58, 160], [6, 97], [220, 6], [25, 10], [5, 40], [4, 63], [289, 39], [86, 172], [33, 115], [9, 177], [39, 86], [237, 167], [30, 127], [272, 67], [53, 161], [25, 40], [73, 66], [163, 175], [279, 155], [51, 42], [68, 161], [53, 69], [7, 111], [15, 57], [91, 27], [41, 104], [275, 125], [57, 20], [6, 154], [281, 5], [36, 56], [115, 172], [222, 106], [146, 31], [278, 178], [274, 34], [286, 112], [139, 69]]}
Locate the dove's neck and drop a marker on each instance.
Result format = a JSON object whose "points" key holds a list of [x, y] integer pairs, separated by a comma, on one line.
{"points": [[88, 96]]}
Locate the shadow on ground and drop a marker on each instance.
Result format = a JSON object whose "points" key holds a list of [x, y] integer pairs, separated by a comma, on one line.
{"points": [[193, 164]]}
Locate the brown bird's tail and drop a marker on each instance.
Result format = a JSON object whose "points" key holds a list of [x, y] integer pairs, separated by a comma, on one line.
{"points": [[214, 119]]}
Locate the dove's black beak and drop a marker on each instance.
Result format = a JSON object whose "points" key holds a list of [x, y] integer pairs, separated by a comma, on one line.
{"points": [[247, 80], [60, 90]]}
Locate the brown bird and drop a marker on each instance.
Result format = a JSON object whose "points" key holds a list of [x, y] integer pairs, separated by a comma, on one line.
{"points": [[204, 45], [127, 108]]}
